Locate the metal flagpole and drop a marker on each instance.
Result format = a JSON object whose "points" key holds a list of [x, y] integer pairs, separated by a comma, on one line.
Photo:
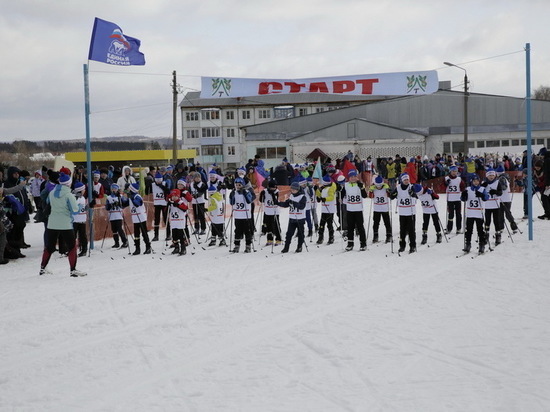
{"points": [[88, 154], [529, 140]]}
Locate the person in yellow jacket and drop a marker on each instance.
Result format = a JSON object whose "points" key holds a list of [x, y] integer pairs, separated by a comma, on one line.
{"points": [[216, 213], [392, 172], [326, 194]]}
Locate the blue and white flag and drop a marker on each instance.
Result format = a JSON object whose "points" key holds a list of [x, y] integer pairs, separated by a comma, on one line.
{"points": [[109, 45]]}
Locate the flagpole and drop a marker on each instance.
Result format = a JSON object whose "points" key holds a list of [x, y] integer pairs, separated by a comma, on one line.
{"points": [[88, 153]]}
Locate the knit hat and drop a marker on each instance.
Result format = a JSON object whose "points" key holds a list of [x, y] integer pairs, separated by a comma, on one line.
{"points": [[212, 189], [378, 180], [241, 170], [79, 187], [115, 187], [453, 169], [181, 182], [490, 172], [239, 181], [134, 187], [405, 176], [295, 186], [65, 170], [352, 172], [475, 177], [38, 172], [327, 180], [65, 179], [500, 169], [174, 192], [341, 179], [96, 173], [417, 188], [169, 167]]}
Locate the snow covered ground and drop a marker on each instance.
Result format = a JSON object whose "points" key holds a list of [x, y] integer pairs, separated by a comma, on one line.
{"points": [[324, 330]]}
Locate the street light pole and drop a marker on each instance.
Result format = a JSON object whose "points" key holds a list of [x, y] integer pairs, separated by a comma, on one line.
{"points": [[466, 94]]}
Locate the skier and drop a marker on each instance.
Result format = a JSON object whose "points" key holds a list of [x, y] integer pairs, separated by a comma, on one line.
{"points": [[139, 217], [80, 218], [241, 199], [113, 205], [198, 191], [296, 203], [216, 212], [455, 186], [474, 196], [379, 192], [427, 199], [492, 205], [353, 193], [160, 190], [271, 225], [177, 212], [406, 195], [326, 194]]}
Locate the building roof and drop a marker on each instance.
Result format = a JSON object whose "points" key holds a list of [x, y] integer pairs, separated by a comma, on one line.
{"points": [[193, 100]]}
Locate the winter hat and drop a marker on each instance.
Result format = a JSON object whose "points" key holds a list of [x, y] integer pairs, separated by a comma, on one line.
{"points": [[405, 176], [378, 180], [453, 169], [115, 187], [475, 177], [341, 179], [352, 172], [65, 179], [327, 180], [162, 169], [158, 176], [65, 170], [241, 170], [500, 169], [417, 188], [38, 172], [331, 169], [490, 172], [134, 187], [79, 187], [212, 189], [96, 173], [181, 182], [169, 168], [174, 192], [239, 181], [295, 186]]}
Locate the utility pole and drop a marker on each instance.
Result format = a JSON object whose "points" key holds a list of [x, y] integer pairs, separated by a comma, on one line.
{"points": [[174, 117]]}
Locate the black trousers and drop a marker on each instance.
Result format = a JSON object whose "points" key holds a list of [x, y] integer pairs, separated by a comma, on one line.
{"points": [[327, 219], [271, 227], [356, 221], [243, 229], [493, 215], [293, 226], [376, 222], [198, 215], [161, 211], [217, 230], [67, 238], [80, 234], [454, 208], [407, 228], [478, 222], [117, 229], [426, 222], [141, 229], [178, 236]]}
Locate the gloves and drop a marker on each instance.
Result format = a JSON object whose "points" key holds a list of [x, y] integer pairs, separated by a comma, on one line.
{"points": [[95, 194], [360, 185], [479, 194], [429, 191], [323, 199], [295, 204], [484, 184], [492, 192], [447, 180]]}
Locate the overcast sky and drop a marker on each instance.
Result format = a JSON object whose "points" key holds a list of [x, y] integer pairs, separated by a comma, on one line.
{"points": [[45, 44]]}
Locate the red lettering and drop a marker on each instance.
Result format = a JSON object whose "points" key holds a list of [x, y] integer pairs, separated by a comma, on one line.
{"points": [[343, 86], [319, 87], [276, 87], [367, 85], [295, 87]]}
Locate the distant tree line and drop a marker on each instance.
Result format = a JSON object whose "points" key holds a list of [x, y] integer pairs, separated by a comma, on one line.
{"points": [[57, 147]]}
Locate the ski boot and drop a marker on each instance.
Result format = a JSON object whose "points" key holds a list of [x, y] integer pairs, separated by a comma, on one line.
{"points": [[320, 240], [236, 248], [349, 247], [222, 243], [285, 249], [176, 249], [82, 253], [438, 237], [330, 240], [412, 249], [77, 273], [248, 248], [363, 248], [482, 248], [498, 238], [212, 242], [388, 238], [424, 239], [375, 237], [467, 247], [299, 249], [148, 249], [138, 248]]}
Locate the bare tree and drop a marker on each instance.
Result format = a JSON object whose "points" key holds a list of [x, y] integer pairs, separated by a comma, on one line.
{"points": [[542, 93]]}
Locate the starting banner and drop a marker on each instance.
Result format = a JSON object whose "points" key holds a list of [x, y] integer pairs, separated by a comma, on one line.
{"points": [[383, 84]]}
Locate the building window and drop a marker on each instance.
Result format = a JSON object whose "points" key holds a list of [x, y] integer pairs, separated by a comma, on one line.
{"points": [[319, 110], [351, 130], [481, 143], [515, 142], [210, 132], [231, 150], [505, 142], [523, 142], [230, 132], [210, 114], [230, 115], [192, 116], [246, 114], [302, 111], [493, 143], [192, 134], [264, 114], [283, 112], [271, 152], [211, 150], [447, 147], [540, 141]]}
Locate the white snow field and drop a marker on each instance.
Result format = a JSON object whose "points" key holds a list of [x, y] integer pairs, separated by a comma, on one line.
{"points": [[324, 330]]}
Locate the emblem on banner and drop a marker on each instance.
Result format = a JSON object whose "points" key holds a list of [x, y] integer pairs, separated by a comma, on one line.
{"points": [[221, 87], [416, 82]]}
